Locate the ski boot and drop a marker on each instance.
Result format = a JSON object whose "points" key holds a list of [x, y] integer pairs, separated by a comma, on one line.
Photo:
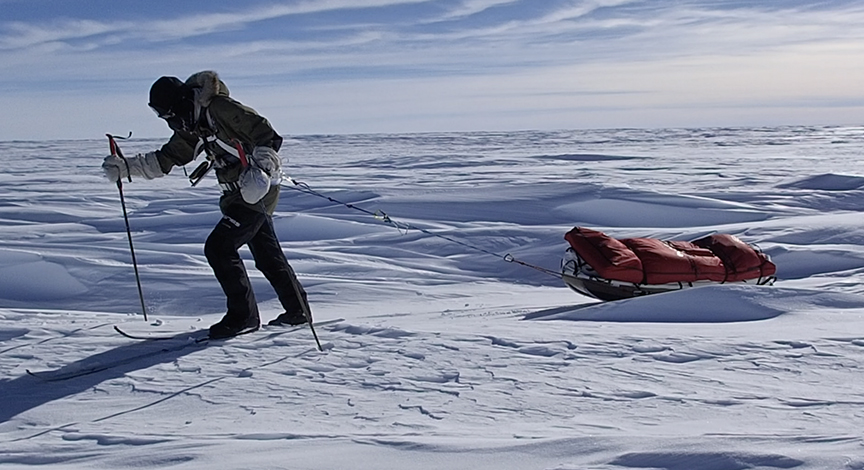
{"points": [[289, 319], [228, 327]]}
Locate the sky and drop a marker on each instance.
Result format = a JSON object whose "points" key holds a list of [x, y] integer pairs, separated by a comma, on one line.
{"points": [[79, 69]]}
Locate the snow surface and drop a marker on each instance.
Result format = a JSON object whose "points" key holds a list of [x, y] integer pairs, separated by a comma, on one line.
{"points": [[447, 355]]}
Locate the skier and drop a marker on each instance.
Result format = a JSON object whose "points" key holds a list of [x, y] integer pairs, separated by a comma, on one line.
{"points": [[242, 147]]}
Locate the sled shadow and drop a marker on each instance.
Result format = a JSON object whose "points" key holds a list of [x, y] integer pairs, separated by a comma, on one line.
{"points": [[721, 303], [540, 314], [28, 392]]}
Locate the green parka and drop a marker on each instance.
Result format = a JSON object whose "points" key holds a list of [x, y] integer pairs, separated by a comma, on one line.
{"points": [[221, 122]]}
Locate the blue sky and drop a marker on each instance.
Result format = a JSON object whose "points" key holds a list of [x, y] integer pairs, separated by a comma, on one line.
{"points": [[78, 69]]}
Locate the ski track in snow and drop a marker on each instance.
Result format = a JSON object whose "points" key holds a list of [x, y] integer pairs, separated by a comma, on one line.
{"points": [[447, 357]]}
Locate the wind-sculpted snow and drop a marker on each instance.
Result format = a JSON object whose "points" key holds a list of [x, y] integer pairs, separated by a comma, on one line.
{"points": [[446, 355], [28, 277], [828, 182]]}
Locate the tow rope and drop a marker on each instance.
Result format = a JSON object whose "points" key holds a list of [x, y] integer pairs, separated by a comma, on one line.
{"points": [[406, 227]]}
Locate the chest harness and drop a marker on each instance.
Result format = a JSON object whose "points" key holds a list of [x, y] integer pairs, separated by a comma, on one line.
{"points": [[208, 142]]}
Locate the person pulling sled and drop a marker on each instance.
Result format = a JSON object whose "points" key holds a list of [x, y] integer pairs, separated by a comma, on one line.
{"points": [[242, 147]]}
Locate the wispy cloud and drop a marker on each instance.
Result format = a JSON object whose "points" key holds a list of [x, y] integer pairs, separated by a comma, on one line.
{"points": [[472, 7], [554, 33], [594, 53], [554, 23], [19, 35], [217, 22]]}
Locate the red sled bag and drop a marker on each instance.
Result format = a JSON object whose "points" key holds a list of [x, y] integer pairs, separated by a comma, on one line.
{"points": [[608, 256], [718, 258], [741, 260], [667, 262]]}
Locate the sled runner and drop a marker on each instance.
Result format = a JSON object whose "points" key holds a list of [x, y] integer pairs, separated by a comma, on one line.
{"points": [[610, 269]]}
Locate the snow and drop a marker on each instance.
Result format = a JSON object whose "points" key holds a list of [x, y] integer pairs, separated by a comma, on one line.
{"points": [[443, 355]]}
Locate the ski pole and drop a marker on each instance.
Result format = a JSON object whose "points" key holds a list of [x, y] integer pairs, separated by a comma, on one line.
{"points": [[115, 150], [306, 313]]}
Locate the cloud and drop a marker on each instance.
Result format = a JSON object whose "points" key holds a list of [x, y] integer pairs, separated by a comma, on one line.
{"points": [[629, 60], [472, 7], [553, 31], [19, 35]]}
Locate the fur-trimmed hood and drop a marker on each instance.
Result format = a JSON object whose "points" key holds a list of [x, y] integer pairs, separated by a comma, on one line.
{"points": [[207, 86]]}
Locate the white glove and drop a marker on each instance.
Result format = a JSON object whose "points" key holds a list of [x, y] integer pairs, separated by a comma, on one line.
{"points": [[268, 160], [254, 184], [146, 166]]}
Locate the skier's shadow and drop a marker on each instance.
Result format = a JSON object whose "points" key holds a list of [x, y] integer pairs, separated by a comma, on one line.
{"points": [[28, 392]]}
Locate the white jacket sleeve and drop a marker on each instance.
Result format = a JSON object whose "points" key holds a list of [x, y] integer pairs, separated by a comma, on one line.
{"points": [[142, 165]]}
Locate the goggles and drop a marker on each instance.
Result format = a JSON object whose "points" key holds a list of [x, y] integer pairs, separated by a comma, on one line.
{"points": [[175, 122], [163, 114]]}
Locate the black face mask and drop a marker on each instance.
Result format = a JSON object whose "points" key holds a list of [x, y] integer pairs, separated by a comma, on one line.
{"points": [[180, 117]]}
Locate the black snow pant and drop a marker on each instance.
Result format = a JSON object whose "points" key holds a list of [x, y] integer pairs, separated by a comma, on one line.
{"points": [[243, 226]]}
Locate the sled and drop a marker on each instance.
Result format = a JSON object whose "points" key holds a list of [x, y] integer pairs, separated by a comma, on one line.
{"points": [[606, 268]]}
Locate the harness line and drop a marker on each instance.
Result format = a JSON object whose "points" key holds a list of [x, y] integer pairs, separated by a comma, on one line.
{"points": [[405, 227]]}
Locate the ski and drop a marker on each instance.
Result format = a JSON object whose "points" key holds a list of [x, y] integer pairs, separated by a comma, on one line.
{"points": [[201, 336], [192, 334], [198, 336]]}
